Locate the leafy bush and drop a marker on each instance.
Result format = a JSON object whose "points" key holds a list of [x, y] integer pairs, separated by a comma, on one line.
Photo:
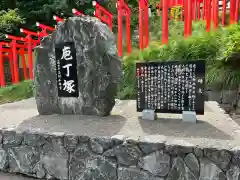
{"points": [[224, 71], [16, 92], [9, 22], [220, 49]]}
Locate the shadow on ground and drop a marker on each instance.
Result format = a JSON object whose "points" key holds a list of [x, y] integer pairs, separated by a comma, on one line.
{"points": [[118, 124]]}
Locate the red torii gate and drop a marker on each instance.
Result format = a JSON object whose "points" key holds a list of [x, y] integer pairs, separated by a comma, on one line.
{"points": [[29, 44], [30, 41], [100, 12], [44, 29], [103, 14], [13, 46], [5, 47], [123, 10]]}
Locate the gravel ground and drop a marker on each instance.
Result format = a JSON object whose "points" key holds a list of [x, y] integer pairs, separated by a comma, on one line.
{"points": [[213, 128]]}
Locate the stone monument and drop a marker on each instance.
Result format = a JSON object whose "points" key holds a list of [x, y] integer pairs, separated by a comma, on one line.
{"points": [[77, 69]]}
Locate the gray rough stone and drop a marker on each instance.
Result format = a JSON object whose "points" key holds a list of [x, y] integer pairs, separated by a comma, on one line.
{"points": [[83, 138], [157, 163], [55, 140], [118, 139], [65, 157], [3, 159], [78, 161], [127, 154], [54, 159], [214, 95], [236, 155], [178, 147], [70, 142], [12, 138], [180, 171], [133, 173], [49, 177], [221, 158], [99, 169], [39, 170], [109, 153], [150, 144], [132, 140], [33, 139], [23, 159], [208, 171], [1, 137], [97, 148], [198, 152], [229, 96], [100, 144], [92, 173], [193, 164], [98, 67], [233, 173], [76, 168]]}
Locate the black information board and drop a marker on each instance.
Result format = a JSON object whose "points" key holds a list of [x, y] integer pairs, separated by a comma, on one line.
{"points": [[66, 68], [171, 87]]}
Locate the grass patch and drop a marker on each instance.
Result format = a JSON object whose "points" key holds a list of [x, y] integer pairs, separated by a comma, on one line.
{"points": [[17, 92]]}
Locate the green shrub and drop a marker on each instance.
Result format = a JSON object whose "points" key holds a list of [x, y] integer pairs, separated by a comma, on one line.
{"points": [[224, 71], [220, 49], [17, 92]]}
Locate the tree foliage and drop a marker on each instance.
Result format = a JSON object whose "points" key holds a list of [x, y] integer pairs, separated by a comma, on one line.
{"points": [[10, 21]]}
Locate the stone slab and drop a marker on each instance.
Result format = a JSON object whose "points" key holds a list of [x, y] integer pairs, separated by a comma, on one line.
{"points": [[215, 128]]}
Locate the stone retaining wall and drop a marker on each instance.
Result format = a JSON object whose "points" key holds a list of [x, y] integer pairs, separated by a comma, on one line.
{"points": [[60, 156], [227, 99]]}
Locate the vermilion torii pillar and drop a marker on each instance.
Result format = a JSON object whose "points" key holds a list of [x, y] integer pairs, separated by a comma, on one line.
{"points": [[2, 75], [44, 29], [214, 15], [236, 11], [232, 11], [103, 14], [224, 8], [13, 45], [143, 23], [123, 10], [30, 41], [165, 6], [188, 18], [208, 15]]}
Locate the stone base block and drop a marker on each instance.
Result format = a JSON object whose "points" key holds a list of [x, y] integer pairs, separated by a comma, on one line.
{"points": [[189, 116], [149, 114]]}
